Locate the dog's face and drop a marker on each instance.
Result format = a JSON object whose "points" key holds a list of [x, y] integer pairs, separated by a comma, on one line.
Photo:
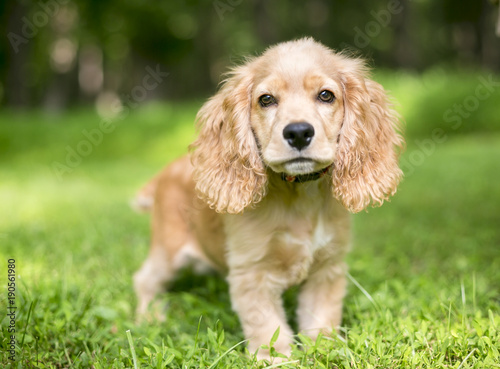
{"points": [[297, 108]]}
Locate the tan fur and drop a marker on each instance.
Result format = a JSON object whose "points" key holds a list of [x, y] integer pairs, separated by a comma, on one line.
{"points": [[228, 208]]}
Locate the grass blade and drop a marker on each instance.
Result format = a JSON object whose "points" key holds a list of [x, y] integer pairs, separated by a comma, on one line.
{"points": [[214, 364], [27, 322], [281, 364], [131, 344], [466, 358], [365, 292]]}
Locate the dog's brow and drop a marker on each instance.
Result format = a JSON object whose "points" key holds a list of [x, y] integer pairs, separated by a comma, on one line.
{"points": [[313, 81], [272, 85]]}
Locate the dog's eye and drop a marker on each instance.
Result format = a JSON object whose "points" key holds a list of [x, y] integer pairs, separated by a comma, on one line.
{"points": [[266, 100], [326, 96]]}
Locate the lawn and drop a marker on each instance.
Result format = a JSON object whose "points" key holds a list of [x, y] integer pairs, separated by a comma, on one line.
{"points": [[424, 269]]}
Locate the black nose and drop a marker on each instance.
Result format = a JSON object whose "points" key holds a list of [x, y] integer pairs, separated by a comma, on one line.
{"points": [[298, 135]]}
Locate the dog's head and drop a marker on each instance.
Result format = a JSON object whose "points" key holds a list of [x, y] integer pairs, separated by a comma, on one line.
{"points": [[297, 109]]}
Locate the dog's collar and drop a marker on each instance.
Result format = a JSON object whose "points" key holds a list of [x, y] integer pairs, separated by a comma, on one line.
{"points": [[301, 178]]}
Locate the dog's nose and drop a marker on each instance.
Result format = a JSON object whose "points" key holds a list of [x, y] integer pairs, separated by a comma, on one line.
{"points": [[298, 135]]}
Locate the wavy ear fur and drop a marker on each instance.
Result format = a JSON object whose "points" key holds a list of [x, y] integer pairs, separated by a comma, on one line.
{"points": [[228, 171], [366, 168]]}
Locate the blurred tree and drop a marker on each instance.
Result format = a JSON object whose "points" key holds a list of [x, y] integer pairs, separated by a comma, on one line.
{"points": [[15, 54], [59, 53]]}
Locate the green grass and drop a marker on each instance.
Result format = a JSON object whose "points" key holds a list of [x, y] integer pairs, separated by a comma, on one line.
{"points": [[425, 268]]}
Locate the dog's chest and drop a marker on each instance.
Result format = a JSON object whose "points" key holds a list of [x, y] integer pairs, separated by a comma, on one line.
{"points": [[295, 245]]}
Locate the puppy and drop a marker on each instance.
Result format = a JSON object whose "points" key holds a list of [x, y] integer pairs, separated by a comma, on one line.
{"points": [[293, 141]]}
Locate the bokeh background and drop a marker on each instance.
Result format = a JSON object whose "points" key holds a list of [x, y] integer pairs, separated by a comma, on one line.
{"points": [[96, 96], [62, 53]]}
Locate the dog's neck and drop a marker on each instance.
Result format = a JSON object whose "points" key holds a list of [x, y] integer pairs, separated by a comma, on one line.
{"points": [[298, 198], [278, 184]]}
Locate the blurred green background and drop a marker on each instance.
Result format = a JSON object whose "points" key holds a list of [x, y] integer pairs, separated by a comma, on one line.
{"points": [[62, 53]]}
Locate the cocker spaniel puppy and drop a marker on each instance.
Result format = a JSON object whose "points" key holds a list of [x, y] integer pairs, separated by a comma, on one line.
{"points": [[293, 141]]}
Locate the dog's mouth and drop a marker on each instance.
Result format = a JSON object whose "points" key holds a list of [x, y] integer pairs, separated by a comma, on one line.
{"points": [[303, 170], [299, 166], [300, 169], [302, 166]]}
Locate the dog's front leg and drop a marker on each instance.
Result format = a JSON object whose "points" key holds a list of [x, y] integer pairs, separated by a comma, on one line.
{"points": [[256, 297], [320, 300]]}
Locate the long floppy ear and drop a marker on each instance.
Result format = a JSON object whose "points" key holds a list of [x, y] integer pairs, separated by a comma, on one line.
{"points": [[228, 171], [366, 167]]}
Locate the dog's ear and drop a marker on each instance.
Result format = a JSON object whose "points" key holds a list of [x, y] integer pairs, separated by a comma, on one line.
{"points": [[228, 171], [366, 166]]}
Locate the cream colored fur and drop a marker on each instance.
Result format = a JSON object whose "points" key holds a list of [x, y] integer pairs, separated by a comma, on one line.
{"points": [[227, 207]]}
